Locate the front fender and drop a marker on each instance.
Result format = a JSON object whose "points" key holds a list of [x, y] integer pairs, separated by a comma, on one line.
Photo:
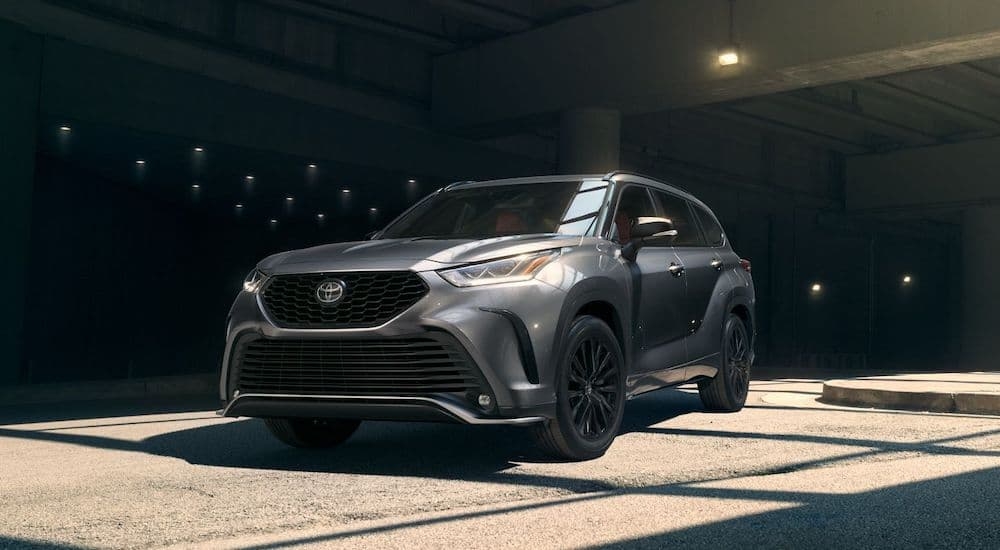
{"points": [[603, 290]]}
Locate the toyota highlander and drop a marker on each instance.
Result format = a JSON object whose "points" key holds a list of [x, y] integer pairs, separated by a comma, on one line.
{"points": [[544, 301]]}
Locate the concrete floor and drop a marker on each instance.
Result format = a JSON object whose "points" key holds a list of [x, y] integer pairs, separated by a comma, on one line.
{"points": [[786, 472]]}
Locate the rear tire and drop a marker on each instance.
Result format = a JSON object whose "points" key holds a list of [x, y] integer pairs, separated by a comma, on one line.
{"points": [[590, 393], [309, 433], [727, 391]]}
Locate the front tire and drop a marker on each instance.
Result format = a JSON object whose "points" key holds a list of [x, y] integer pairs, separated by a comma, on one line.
{"points": [[727, 391], [590, 393], [309, 433]]}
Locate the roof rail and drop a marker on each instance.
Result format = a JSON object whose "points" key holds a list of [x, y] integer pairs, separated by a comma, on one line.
{"points": [[613, 173], [456, 184]]}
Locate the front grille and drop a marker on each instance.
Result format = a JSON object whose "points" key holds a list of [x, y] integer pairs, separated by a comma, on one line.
{"points": [[393, 367], [370, 299]]}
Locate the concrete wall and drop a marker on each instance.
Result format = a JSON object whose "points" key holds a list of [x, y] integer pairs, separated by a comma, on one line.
{"points": [[943, 176], [124, 283], [20, 57]]}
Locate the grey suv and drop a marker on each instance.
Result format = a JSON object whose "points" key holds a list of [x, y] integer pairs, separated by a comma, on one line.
{"points": [[543, 301]]}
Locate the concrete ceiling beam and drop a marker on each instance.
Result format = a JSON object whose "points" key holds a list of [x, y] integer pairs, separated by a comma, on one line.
{"points": [[650, 55]]}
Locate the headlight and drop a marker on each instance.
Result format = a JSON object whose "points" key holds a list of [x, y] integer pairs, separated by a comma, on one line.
{"points": [[505, 270], [253, 281]]}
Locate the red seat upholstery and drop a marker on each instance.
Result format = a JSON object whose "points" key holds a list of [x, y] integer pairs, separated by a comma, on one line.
{"points": [[509, 222], [624, 226]]}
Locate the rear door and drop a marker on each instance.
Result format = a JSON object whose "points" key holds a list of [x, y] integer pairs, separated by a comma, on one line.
{"points": [[703, 266]]}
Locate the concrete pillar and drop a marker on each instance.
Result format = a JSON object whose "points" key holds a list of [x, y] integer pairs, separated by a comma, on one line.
{"points": [[589, 140], [980, 291], [20, 68]]}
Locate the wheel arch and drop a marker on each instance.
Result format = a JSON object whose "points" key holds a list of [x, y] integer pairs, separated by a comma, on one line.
{"points": [[741, 306], [602, 298]]}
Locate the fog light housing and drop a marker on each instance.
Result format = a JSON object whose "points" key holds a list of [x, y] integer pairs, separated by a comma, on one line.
{"points": [[485, 401]]}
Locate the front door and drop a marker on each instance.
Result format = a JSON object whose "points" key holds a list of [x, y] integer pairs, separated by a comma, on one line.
{"points": [[659, 293]]}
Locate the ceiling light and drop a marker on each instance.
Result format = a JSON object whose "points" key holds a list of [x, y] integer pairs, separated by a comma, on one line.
{"points": [[65, 129], [373, 209], [140, 162], [313, 166], [907, 279], [729, 55], [274, 221], [345, 190], [320, 216], [249, 178], [199, 150], [816, 288], [239, 205], [289, 198], [195, 186], [411, 181]]}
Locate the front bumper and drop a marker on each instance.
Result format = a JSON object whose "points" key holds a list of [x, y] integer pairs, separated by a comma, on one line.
{"points": [[507, 332], [412, 408]]}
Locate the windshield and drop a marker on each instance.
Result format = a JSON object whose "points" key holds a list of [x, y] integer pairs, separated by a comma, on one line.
{"points": [[568, 208]]}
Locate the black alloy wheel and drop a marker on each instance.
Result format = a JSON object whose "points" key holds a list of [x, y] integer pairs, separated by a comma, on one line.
{"points": [[728, 390], [590, 393], [593, 388]]}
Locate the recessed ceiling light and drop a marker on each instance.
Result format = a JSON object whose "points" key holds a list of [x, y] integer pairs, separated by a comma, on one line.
{"points": [[411, 181], [239, 205], [345, 190], [311, 165], [65, 129], [199, 150], [907, 279], [289, 198], [816, 287], [249, 178], [195, 186], [729, 57], [140, 162], [373, 209], [273, 221], [320, 216]]}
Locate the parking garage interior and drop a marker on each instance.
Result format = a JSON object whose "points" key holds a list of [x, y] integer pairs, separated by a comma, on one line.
{"points": [[151, 154]]}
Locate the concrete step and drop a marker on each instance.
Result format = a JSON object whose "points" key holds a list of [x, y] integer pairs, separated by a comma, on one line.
{"points": [[968, 392]]}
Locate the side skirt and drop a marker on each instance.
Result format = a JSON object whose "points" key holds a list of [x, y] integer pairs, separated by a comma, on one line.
{"points": [[704, 367]]}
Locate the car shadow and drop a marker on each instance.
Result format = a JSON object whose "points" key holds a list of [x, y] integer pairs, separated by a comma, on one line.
{"points": [[389, 448], [445, 451]]}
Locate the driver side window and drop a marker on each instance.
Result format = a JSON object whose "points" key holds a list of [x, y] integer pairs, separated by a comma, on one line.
{"points": [[633, 202]]}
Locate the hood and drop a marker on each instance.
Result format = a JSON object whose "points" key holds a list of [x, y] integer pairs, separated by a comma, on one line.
{"points": [[418, 254]]}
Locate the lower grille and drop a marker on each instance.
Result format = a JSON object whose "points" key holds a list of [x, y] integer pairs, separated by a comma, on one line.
{"points": [[393, 367]]}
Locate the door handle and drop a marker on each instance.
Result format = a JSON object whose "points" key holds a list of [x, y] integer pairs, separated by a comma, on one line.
{"points": [[717, 264], [676, 269]]}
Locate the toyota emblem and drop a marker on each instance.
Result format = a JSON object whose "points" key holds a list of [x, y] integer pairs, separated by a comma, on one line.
{"points": [[330, 292]]}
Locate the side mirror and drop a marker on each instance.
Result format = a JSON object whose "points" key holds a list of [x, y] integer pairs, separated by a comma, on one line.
{"points": [[653, 227], [644, 228]]}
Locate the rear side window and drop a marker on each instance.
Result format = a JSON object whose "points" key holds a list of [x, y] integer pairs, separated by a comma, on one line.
{"points": [[676, 209], [711, 227]]}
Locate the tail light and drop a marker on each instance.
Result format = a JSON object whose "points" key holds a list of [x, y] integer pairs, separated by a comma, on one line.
{"points": [[745, 264]]}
